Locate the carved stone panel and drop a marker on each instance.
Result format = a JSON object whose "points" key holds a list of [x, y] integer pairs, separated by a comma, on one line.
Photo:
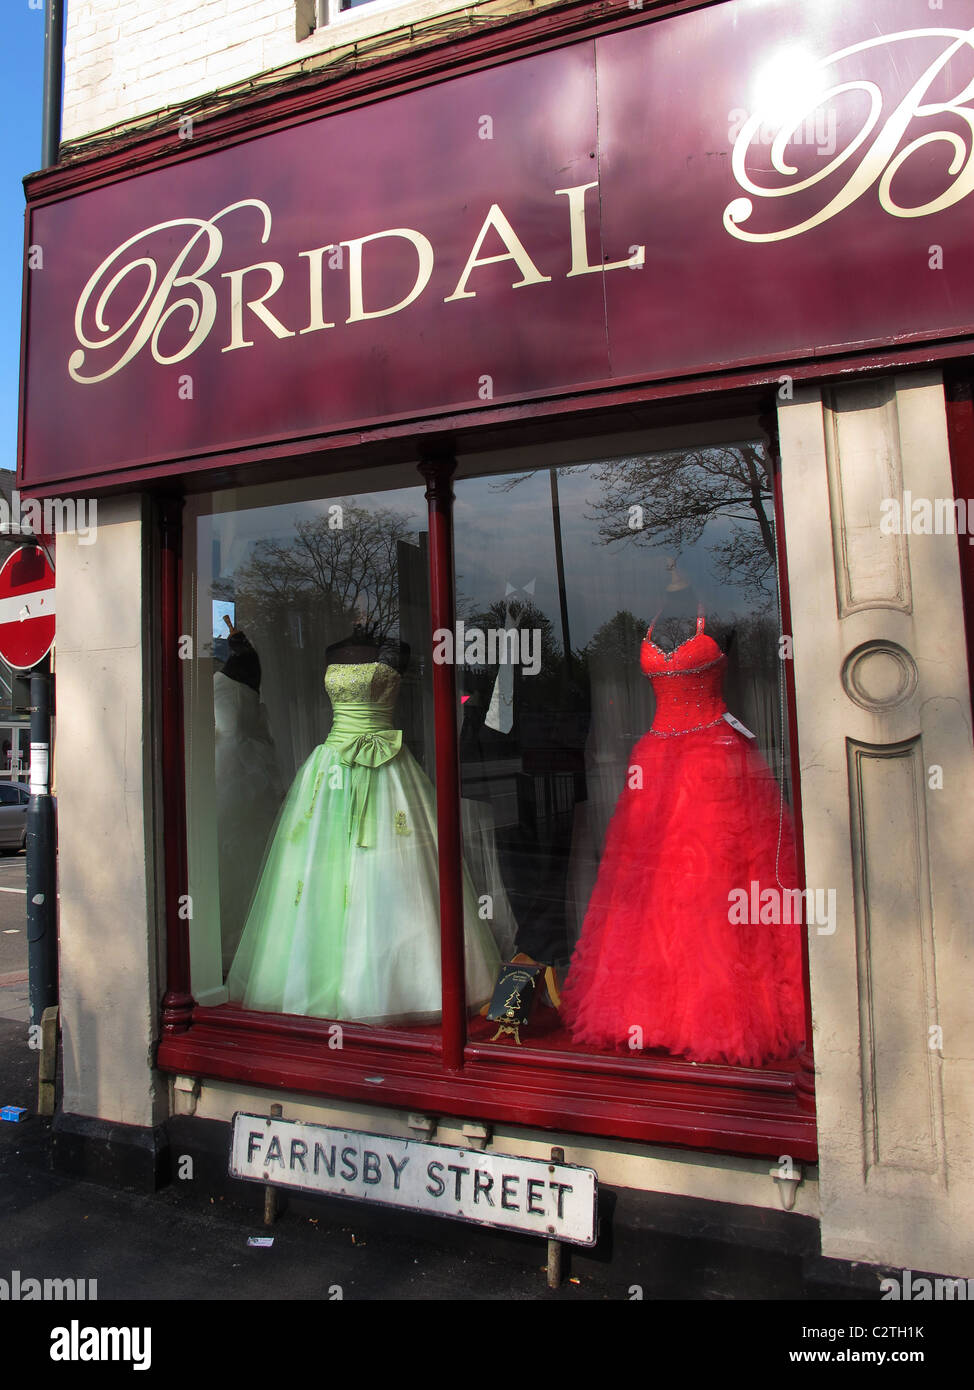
{"points": [[865, 466], [901, 1096]]}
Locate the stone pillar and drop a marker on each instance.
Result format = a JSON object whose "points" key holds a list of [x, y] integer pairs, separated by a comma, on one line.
{"points": [[105, 780], [887, 778]]}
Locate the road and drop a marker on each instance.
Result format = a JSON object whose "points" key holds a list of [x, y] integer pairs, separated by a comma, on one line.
{"points": [[13, 938]]}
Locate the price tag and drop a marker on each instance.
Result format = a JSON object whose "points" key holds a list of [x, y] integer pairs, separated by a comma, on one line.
{"points": [[736, 724]]}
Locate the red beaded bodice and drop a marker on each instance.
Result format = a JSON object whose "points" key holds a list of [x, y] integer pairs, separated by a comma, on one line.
{"points": [[688, 683]]}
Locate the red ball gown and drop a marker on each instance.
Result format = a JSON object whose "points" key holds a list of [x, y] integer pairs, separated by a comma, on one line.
{"points": [[664, 959]]}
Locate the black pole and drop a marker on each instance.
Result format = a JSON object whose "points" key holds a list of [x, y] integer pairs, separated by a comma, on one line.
{"points": [[41, 841], [560, 566], [53, 64], [41, 850]]}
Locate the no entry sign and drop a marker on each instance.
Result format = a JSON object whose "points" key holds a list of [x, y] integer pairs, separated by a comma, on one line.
{"points": [[26, 608]]}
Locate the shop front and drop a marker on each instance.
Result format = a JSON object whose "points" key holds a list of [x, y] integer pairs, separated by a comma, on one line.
{"points": [[525, 638]]}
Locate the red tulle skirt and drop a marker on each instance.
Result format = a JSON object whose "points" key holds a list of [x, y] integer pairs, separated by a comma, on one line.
{"points": [[672, 954]]}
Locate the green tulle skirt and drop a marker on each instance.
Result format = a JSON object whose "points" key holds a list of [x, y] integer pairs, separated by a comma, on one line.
{"points": [[344, 922]]}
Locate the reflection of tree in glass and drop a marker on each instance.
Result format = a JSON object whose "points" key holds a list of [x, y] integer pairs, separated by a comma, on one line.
{"points": [[352, 570], [619, 639], [528, 618], [680, 491], [608, 667]]}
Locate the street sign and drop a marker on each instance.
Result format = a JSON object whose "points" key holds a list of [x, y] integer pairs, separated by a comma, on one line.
{"points": [[26, 608], [553, 1200]]}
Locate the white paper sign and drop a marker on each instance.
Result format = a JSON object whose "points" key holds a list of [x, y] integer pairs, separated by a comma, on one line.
{"points": [[40, 762]]}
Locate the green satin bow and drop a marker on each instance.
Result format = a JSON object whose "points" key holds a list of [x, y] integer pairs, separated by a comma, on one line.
{"points": [[363, 754]]}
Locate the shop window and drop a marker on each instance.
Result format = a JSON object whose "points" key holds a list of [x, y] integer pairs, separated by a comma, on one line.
{"points": [[313, 844], [640, 829], [630, 895]]}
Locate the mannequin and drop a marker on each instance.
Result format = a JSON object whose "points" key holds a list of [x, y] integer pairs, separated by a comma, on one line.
{"points": [[661, 962], [345, 922]]}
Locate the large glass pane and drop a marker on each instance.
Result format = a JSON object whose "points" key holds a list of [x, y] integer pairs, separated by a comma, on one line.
{"points": [[313, 848], [632, 784]]}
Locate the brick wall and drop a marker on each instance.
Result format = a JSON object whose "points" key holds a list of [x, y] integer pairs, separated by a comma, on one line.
{"points": [[126, 58]]}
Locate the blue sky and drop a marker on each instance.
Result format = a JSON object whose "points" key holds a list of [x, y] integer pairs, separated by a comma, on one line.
{"points": [[22, 66]]}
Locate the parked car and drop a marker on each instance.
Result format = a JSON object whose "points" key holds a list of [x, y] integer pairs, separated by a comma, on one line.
{"points": [[13, 817]]}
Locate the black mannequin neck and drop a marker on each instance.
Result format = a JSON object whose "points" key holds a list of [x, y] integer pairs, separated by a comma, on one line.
{"points": [[361, 648], [352, 654]]}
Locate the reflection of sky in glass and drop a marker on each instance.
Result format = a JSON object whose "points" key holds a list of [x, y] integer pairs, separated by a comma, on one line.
{"points": [[507, 538], [239, 531], [222, 610]]}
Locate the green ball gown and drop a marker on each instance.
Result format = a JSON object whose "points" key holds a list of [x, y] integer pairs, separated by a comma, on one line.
{"points": [[345, 920]]}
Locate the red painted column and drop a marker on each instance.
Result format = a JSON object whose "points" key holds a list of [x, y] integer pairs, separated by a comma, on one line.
{"points": [[438, 473], [178, 1002]]}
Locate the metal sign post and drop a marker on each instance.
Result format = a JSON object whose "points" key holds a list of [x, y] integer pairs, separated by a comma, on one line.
{"points": [[27, 626], [41, 863]]}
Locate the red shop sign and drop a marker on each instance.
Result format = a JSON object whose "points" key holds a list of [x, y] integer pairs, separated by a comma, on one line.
{"points": [[747, 184]]}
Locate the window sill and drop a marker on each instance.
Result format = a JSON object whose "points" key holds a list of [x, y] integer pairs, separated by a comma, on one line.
{"points": [[662, 1100]]}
